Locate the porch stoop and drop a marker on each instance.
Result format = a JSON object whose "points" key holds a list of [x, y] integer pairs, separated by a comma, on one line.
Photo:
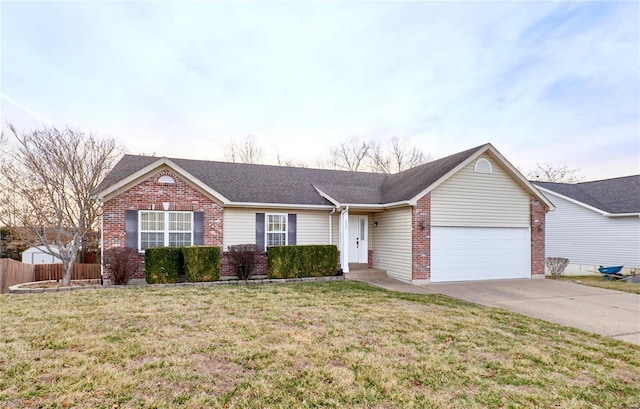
{"points": [[362, 270]]}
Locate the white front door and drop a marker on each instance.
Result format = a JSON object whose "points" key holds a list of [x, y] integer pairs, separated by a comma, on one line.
{"points": [[358, 239]]}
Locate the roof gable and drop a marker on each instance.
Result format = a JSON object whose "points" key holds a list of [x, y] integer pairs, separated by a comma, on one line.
{"points": [[613, 196]]}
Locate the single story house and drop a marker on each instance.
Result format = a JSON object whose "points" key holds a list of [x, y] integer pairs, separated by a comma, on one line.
{"points": [[468, 216], [595, 223]]}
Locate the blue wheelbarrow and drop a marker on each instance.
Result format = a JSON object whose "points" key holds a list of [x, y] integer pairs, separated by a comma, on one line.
{"points": [[611, 273]]}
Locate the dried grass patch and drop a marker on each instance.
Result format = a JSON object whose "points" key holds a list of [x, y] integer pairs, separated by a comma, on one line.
{"points": [[337, 344], [597, 281]]}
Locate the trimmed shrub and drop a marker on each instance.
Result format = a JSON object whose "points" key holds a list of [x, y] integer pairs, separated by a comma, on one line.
{"points": [[556, 265], [162, 264], [201, 263], [302, 261], [122, 263], [242, 258]]}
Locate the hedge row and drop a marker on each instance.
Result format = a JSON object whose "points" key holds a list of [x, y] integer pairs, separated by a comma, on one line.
{"points": [[201, 264], [164, 264], [302, 261]]}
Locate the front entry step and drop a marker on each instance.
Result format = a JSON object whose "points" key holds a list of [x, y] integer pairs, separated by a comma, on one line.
{"points": [[364, 272]]}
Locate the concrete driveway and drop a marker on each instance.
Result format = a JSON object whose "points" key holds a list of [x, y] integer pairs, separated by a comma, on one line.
{"points": [[611, 313]]}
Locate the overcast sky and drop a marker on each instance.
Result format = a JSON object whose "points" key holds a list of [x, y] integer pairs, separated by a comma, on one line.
{"points": [[551, 82]]}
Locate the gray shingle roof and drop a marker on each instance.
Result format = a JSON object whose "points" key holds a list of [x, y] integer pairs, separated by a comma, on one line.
{"points": [[616, 196], [241, 182]]}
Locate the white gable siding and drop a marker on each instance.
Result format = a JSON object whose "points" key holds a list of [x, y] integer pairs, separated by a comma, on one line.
{"points": [[587, 237], [471, 198], [312, 227], [391, 240]]}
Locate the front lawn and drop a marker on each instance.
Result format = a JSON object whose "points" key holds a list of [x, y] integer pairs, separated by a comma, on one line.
{"points": [[595, 281], [331, 344]]}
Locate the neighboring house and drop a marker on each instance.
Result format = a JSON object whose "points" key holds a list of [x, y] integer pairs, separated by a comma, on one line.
{"points": [[468, 216], [595, 223], [38, 255]]}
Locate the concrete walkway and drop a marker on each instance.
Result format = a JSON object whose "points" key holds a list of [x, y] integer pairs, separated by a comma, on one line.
{"points": [[611, 313]]}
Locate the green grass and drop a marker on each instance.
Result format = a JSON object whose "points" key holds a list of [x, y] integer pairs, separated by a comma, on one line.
{"points": [[332, 344], [596, 281]]}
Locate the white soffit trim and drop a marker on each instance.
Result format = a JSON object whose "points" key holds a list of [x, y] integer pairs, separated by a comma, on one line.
{"points": [[449, 174], [586, 206], [514, 172], [525, 182], [150, 168], [326, 196], [279, 205]]}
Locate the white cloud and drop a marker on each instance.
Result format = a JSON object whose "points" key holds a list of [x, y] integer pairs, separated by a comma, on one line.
{"points": [[536, 79]]}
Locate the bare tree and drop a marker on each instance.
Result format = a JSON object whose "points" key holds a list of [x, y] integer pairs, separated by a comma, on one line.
{"points": [[290, 162], [244, 151], [350, 155], [549, 172], [49, 180], [397, 157]]}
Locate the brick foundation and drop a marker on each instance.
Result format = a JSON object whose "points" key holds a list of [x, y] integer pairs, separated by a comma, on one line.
{"points": [[370, 258], [421, 239], [150, 194], [537, 212], [227, 271]]}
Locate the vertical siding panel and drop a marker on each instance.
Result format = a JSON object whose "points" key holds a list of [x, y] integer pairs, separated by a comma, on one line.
{"points": [[587, 237], [392, 242], [470, 198], [239, 225]]}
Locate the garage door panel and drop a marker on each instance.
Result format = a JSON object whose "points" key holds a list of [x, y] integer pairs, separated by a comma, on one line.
{"points": [[482, 253]]}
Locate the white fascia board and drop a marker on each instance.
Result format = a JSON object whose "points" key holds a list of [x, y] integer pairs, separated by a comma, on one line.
{"points": [[154, 165], [279, 205], [382, 206], [586, 206], [487, 148], [326, 196], [448, 175], [351, 206], [532, 189]]}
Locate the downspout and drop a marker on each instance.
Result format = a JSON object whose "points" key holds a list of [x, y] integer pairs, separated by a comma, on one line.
{"points": [[101, 240], [331, 225], [344, 256]]}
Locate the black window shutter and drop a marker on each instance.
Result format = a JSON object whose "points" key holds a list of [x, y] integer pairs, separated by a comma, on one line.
{"points": [[260, 231], [198, 228], [131, 228], [291, 229]]}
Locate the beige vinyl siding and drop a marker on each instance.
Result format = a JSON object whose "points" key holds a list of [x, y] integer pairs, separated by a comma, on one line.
{"points": [[335, 229], [471, 198], [312, 226], [587, 237], [392, 242]]}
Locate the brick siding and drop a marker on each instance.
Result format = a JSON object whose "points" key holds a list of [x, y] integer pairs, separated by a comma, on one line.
{"points": [[227, 271], [537, 212], [421, 239], [150, 195]]}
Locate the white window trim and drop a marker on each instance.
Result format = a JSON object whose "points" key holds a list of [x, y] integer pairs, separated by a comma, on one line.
{"points": [[479, 163], [266, 228], [166, 232]]}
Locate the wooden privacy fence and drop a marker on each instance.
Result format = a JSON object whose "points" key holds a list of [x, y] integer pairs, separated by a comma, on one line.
{"points": [[14, 272], [44, 272]]}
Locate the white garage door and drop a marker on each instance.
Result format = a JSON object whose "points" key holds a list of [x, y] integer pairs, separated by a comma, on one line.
{"points": [[479, 253]]}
